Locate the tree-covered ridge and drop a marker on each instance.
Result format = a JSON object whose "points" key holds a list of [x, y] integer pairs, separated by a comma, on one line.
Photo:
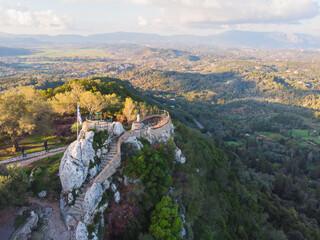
{"points": [[225, 199], [231, 187], [32, 111]]}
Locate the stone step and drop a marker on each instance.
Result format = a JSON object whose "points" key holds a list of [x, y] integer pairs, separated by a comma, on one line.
{"points": [[78, 203], [78, 208], [103, 165], [74, 212], [80, 198], [76, 215]]}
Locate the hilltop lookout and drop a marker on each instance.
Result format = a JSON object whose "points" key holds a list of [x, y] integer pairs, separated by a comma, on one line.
{"points": [[87, 166]]}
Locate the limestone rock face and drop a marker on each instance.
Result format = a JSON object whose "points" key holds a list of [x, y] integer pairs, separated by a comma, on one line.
{"points": [[42, 194], [183, 232], [74, 165], [116, 129], [93, 172], [91, 200], [89, 136], [133, 140], [113, 187], [117, 197], [81, 232], [179, 156], [70, 198], [165, 136], [171, 128], [31, 223]]}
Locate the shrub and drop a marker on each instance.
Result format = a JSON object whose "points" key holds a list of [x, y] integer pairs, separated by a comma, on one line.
{"points": [[165, 220], [13, 185]]}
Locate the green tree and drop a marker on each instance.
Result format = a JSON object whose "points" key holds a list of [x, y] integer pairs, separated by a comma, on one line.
{"points": [[165, 220], [153, 168], [13, 185], [23, 111], [112, 102], [130, 109], [143, 109], [92, 102], [64, 103]]}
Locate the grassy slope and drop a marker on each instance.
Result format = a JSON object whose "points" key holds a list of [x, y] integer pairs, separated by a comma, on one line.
{"points": [[33, 144]]}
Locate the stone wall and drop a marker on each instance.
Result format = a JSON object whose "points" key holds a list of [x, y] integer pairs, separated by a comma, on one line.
{"points": [[158, 133]]}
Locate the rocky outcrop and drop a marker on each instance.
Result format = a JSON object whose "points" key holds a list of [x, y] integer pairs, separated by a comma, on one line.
{"points": [[81, 231], [135, 143], [42, 194], [85, 170], [75, 163], [164, 137], [91, 200], [117, 197], [180, 158], [116, 129], [23, 232]]}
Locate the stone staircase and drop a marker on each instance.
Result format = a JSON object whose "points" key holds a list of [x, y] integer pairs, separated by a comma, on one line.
{"points": [[112, 151], [76, 211]]}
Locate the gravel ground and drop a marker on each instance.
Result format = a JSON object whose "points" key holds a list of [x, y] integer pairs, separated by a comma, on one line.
{"points": [[51, 225]]}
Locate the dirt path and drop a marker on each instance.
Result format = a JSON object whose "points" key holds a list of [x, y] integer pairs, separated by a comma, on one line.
{"points": [[26, 162], [52, 226]]}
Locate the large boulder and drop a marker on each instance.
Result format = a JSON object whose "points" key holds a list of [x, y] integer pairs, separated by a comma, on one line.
{"points": [[115, 129], [81, 232], [42, 194], [133, 140], [74, 165], [91, 200]]}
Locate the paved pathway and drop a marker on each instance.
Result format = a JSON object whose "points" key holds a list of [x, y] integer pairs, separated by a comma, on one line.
{"points": [[26, 161]]}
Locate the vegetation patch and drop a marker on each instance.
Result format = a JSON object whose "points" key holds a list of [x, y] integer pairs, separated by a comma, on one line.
{"points": [[99, 139], [231, 143], [14, 183], [21, 219], [45, 175]]}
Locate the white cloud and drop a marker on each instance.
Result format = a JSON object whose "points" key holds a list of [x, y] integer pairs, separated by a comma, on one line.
{"points": [[142, 21], [207, 13], [37, 21], [157, 21]]}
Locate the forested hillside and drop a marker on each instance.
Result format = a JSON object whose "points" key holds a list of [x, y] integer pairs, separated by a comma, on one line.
{"points": [[252, 169], [231, 189]]}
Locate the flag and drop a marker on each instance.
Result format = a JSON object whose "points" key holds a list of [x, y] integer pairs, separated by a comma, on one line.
{"points": [[79, 115]]}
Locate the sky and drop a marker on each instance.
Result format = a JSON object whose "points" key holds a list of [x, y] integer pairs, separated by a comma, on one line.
{"points": [[166, 17]]}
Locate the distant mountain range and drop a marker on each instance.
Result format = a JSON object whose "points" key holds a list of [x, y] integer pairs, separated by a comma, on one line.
{"points": [[226, 39]]}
